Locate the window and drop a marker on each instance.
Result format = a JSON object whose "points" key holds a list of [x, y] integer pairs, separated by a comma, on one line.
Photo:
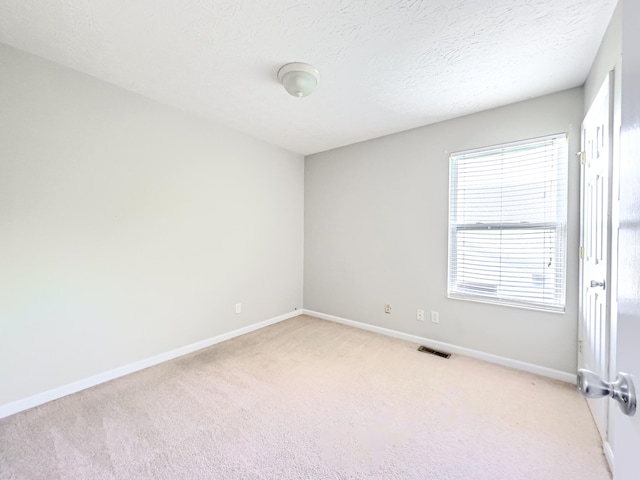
{"points": [[508, 224]]}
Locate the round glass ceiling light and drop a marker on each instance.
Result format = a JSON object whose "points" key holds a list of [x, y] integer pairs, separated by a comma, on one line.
{"points": [[299, 79]]}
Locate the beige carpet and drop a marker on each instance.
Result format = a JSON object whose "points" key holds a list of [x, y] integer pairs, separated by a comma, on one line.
{"points": [[310, 399]]}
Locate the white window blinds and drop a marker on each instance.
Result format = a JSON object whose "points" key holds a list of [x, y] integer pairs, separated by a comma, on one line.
{"points": [[508, 223]]}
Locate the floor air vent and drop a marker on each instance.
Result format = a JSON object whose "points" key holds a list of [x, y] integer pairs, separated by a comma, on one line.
{"points": [[424, 349]]}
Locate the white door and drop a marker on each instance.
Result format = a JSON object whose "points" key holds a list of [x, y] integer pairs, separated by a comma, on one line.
{"points": [[626, 430], [595, 233]]}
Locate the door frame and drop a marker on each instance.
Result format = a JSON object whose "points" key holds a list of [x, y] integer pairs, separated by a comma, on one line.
{"points": [[611, 235]]}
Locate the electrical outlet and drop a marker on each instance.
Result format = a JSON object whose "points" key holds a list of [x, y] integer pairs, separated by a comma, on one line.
{"points": [[420, 315], [387, 308], [435, 317], [238, 308]]}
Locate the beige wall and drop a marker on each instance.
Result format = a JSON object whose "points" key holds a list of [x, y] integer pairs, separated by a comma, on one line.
{"points": [[128, 229], [376, 232]]}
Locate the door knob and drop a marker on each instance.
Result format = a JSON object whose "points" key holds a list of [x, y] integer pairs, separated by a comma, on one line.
{"points": [[597, 284], [621, 389]]}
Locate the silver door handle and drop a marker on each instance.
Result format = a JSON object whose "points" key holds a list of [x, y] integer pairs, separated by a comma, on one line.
{"points": [[597, 284], [621, 389]]}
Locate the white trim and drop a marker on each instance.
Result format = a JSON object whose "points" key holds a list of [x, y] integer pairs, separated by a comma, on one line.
{"points": [[59, 392], [608, 454], [488, 357], [526, 141]]}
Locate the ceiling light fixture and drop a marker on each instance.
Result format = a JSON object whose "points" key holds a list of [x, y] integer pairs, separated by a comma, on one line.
{"points": [[299, 79]]}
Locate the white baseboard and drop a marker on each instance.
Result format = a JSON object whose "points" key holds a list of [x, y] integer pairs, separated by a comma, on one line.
{"points": [[608, 454], [59, 392], [507, 362]]}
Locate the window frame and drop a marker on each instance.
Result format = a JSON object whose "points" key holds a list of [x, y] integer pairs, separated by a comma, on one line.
{"points": [[558, 226]]}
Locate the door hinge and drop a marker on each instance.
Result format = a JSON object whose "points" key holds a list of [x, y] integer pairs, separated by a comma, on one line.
{"points": [[580, 346], [581, 253], [583, 157]]}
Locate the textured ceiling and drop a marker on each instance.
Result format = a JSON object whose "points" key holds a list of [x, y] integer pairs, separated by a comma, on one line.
{"points": [[385, 65]]}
